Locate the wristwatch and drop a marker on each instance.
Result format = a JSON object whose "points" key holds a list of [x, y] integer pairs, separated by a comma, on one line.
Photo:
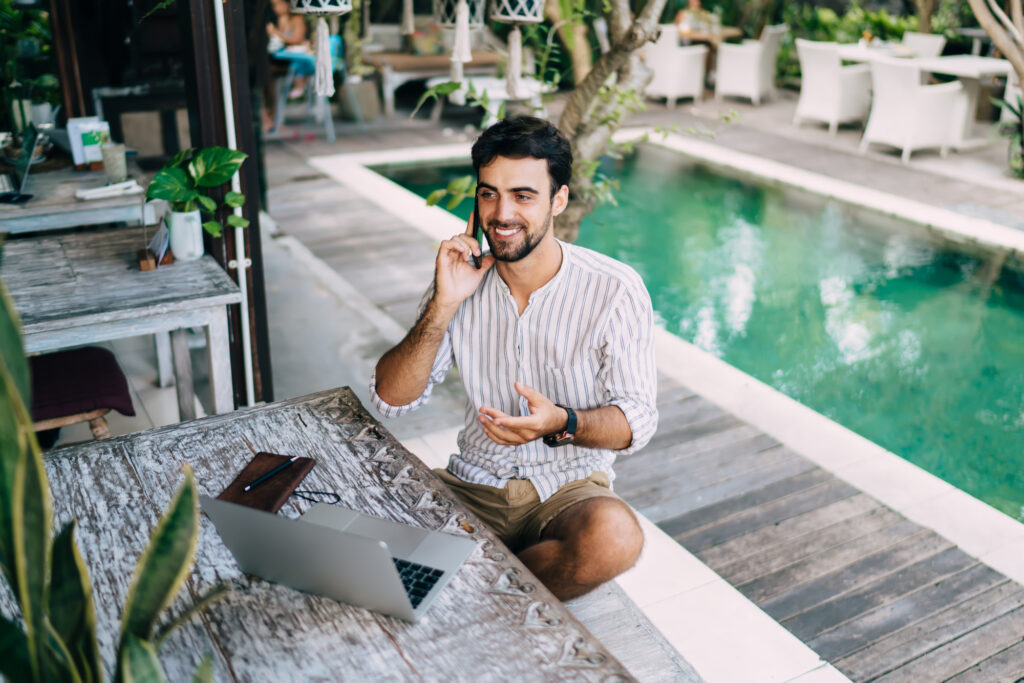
{"points": [[568, 435]]}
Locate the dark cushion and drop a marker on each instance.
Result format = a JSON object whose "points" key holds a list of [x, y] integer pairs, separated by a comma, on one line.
{"points": [[77, 381]]}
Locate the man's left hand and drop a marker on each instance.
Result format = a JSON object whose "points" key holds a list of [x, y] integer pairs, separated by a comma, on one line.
{"points": [[544, 418]]}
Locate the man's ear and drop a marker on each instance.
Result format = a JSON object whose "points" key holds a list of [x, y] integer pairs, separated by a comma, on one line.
{"points": [[560, 201]]}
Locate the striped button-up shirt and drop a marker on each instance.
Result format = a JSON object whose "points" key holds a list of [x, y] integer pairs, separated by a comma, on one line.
{"points": [[585, 340]]}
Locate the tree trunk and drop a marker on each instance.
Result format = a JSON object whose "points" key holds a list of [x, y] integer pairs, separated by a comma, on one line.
{"points": [[925, 8], [595, 110], [574, 35], [1006, 33]]}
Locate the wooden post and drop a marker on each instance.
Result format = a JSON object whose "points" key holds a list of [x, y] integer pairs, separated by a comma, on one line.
{"points": [[206, 121]]}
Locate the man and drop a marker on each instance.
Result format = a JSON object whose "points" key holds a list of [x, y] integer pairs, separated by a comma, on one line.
{"points": [[554, 345]]}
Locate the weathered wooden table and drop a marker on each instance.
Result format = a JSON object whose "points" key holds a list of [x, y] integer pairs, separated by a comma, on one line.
{"points": [[54, 206], [493, 622], [86, 287]]}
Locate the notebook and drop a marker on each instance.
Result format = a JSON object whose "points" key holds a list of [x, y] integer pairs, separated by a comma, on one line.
{"points": [[384, 566], [271, 494]]}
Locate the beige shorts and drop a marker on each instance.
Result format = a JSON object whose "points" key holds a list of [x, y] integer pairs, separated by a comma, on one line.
{"points": [[515, 512]]}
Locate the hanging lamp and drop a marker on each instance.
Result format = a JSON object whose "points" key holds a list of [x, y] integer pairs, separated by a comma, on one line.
{"points": [[323, 81], [461, 15], [517, 13]]}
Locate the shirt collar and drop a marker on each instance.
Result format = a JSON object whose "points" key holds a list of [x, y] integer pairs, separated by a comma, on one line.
{"points": [[549, 286]]}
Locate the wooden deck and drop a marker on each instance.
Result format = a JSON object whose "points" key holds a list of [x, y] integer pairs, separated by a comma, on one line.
{"points": [[879, 597]]}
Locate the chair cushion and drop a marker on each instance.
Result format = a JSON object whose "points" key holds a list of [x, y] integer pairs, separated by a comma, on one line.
{"points": [[77, 381]]}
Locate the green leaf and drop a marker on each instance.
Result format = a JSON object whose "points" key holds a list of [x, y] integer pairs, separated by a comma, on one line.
{"points": [[214, 166], [58, 662], [180, 157], [162, 568], [14, 663], [436, 196], [446, 88], [71, 605], [215, 593], [16, 434], [234, 199], [171, 184], [460, 185], [204, 672], [138, 662], [212, 227], [455, 201], [32, 510], [11, 349], [236, 221], [206, 202]]}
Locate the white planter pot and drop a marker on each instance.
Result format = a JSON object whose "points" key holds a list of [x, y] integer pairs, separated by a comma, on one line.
{"points": [[186, 229], [42, 113]]}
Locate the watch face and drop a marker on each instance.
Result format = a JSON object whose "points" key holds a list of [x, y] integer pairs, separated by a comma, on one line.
{"points": [[559, 439]]}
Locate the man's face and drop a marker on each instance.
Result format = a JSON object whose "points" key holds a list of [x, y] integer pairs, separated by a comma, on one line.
{"points": [[515, 204]]}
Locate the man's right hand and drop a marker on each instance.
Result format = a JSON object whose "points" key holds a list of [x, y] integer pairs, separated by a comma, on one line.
{"points": [[455, 277]]}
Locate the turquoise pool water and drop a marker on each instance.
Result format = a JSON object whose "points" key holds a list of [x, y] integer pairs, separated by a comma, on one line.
{"points": [[900, 339]]}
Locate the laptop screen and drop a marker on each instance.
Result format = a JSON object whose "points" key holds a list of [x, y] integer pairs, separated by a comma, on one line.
{"points": [[21, 166]]}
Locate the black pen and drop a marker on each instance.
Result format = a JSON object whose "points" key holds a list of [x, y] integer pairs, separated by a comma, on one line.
{"points": [[271, 473]]}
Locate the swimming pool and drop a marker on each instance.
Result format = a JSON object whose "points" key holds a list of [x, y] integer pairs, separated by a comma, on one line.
{"points": [[906, 341]]}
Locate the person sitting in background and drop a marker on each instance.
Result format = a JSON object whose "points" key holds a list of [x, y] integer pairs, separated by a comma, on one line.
{"points": [[693, 18], [290, 29]]}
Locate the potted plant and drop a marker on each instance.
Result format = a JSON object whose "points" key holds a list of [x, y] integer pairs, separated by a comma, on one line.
{"points": [[53, 637], [185, 181]]}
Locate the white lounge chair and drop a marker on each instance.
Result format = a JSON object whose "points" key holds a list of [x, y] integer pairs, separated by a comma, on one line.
{"points": [[908, 115], [678, 71], [924, 44], [748, 69], [829, 91]]}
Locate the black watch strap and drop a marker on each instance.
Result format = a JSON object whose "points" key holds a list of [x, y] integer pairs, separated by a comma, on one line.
{"points": [[568, 435]]}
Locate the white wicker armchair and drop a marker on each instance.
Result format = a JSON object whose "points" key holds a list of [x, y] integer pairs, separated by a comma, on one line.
{"points": [[677, 71], [924, 44], [908, 115], [829, 91], [748, 69]]}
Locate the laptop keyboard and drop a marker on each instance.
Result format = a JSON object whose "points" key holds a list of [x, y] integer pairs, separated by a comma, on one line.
{"points": [[417, 579]]}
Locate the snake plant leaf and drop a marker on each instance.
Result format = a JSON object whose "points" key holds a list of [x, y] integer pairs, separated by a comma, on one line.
{"points": [[163, 566], [215, 593], [58, 664], [214, 166], [12, 352], [13, 650], [31, 522], [138, 662], [234, 199], [16, 434], [213, 227], [204, 672], [171, 184], [71, 605]]}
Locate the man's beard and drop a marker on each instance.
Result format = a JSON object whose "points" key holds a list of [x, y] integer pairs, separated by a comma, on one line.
{"points": [[504, 251]]}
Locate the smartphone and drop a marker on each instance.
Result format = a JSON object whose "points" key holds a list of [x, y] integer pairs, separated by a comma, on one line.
{"points": [[478, 232]]}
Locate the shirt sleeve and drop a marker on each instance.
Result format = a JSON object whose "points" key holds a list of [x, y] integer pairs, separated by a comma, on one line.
{"points": [[443, 362], [628, 372]]}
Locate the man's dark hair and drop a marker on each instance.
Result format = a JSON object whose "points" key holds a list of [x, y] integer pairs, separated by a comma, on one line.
{"points": [[526, 136]]}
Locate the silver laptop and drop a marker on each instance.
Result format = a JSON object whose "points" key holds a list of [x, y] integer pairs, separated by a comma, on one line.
{"points": [[391, 568]]}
